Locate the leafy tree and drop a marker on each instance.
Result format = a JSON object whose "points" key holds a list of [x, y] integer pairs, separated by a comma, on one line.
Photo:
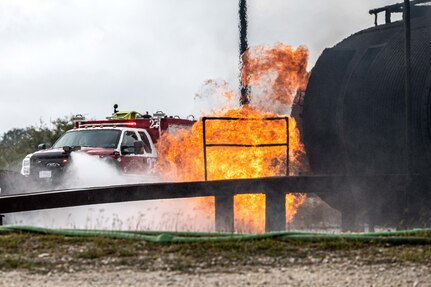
{"points": [[15, 144]]}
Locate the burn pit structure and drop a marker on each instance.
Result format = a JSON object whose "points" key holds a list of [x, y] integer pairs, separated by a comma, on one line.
{"points": [[354, 118]]}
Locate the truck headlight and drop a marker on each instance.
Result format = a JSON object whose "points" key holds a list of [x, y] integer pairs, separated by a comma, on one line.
{"points": [[25, 170]]}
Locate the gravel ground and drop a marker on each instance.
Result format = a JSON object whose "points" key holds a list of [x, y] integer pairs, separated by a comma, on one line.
{"points": [[338, 274], [52, 260]]}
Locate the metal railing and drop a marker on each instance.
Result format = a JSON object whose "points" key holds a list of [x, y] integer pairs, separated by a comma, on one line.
{"points": [[395, 8], [206, 145], [274, 188]]}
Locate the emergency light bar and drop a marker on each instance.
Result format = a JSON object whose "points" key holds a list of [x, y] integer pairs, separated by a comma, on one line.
{"points": [[114, 125]]}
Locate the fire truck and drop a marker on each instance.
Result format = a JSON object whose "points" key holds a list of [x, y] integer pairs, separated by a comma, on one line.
{"points": [[125, 140]]}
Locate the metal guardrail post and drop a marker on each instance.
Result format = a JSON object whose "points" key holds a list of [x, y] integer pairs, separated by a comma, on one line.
{"points": [[224, 213], [275, 211]]}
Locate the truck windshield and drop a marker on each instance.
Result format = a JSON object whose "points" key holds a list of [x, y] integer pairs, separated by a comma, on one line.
{"points": [[90, 138]]}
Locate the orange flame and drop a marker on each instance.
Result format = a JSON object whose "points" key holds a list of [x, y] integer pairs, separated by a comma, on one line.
{"points": [[181, 154], [275, 74]]}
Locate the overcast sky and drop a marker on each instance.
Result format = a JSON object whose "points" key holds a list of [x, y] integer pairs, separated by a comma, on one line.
{"points": [[65, 57]]}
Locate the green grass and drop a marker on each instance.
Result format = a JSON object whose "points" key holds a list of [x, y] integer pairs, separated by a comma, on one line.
{"points": [[43, 253], [421, 254], [20, 262]]}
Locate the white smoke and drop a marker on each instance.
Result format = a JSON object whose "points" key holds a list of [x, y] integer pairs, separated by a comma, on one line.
{"points": [[215, 96], [91, 171], [163, 215]]}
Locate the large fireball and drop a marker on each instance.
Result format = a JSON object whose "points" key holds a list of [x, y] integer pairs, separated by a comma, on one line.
{"points": [[277, 73]]}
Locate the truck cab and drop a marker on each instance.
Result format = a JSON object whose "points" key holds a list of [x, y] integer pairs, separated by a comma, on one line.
{"points": [[127, 143], [130, 151]]}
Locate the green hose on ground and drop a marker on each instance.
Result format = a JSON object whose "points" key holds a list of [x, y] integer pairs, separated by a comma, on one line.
{"points": [[418, 236]]}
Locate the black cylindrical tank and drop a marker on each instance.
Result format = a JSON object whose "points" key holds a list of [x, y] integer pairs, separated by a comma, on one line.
{"points": [[353, 118], [354, 111]]}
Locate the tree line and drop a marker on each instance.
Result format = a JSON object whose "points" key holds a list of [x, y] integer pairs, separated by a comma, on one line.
{"points": [[16, 143]]}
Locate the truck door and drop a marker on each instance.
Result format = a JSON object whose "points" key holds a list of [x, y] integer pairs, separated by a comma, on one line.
{"points": [[132, 163], [149, 149]]}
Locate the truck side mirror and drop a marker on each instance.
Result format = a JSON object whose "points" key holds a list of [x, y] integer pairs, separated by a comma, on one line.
{"points": [[139, 147], [67, 149], [42, 146], [125, 150]]}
